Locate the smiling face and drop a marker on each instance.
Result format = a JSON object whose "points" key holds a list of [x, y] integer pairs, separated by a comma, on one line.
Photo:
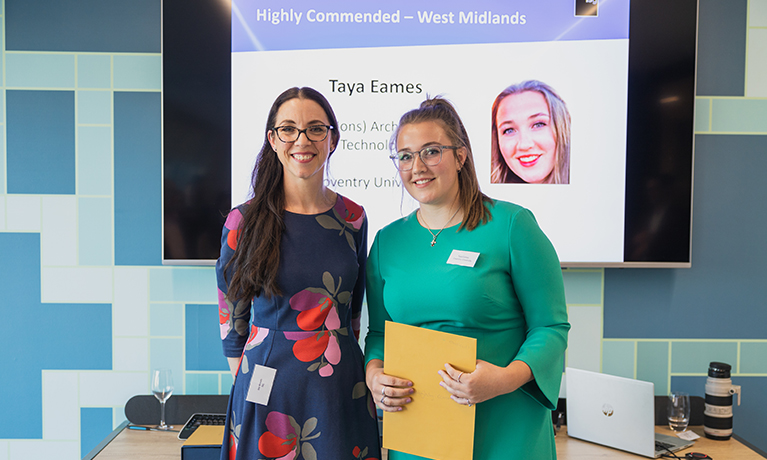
{"points": [[526, 136], [430, 185], [302, 159]]}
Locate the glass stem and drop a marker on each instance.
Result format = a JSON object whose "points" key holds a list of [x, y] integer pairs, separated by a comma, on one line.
{"points": [[162, 413]]}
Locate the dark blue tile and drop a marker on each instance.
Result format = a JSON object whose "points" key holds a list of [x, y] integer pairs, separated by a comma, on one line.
{"points": [[41, 142], [726, 282], [722, 47], [117, 26], [36, 336], [137, 178], [203, 341]]}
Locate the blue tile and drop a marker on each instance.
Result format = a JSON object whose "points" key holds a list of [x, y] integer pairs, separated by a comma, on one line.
{"points": [[84, 25], [94, 160], [721, 66], [203, 340], [618, 358], [227, 380], [94, 107], [694, 357], [48, 71], [94, 71], [95, 235], [74, 336], [137, 179], [41, 142], [168, 353], [95, 425]]}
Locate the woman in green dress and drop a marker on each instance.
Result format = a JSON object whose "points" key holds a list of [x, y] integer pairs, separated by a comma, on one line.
{"points": [[511, 299]]}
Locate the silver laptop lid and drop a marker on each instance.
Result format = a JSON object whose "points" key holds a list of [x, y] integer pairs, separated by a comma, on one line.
{"points": [[609, 410]]}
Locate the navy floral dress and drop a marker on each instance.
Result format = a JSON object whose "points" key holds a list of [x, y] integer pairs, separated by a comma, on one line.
{"points": [[319, 407]]}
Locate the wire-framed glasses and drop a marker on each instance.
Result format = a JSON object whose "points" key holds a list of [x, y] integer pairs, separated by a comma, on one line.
{"points": [[315, 133], [430, 156]]}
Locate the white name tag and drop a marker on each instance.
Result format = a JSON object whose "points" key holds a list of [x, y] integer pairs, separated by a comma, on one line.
{"points": [[463, 258], [261, 385]]}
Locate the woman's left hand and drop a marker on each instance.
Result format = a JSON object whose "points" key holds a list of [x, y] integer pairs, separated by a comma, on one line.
{"points": [[486, 382]]}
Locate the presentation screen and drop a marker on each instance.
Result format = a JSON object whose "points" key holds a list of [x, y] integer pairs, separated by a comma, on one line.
{"points": [[376, 60]]}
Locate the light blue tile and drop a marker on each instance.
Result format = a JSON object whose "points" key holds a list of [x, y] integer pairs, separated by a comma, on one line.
{"points": [[618, 358], [94, 71], [757, 13], [2, 106], [94, 107], [739, 115], [183, 284], [166, 320], [2, 153], [168, 353], [753, 358], [702, 115], [227, 380], [201, 384], [652, 364], [583, 287], [94, 160], [40, 71], [694, 357], [137, 72], [95, 231]]}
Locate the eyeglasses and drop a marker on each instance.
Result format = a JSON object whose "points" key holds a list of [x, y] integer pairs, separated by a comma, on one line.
{"points": [[430, 156], [315, 133]]}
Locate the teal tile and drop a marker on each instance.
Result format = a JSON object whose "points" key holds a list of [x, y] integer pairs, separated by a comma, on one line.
{"points": [[756, 63], [618, 358], [753, 358], [168, 353], [702, 115], [693, 357], [137, 72], [227, 380], [757, 13], [94, 71], [40, 71], [166, 319], [652, 364], [739, 116], [201, 384], [183, 284], [94, 160], [95, 235], [583, 287], [94, 107]]}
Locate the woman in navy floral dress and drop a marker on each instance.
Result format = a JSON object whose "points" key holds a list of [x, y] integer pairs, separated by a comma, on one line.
{"points": [[291, 280]]}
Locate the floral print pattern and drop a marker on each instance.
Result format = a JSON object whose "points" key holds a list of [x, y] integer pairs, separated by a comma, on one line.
{"points": [[286, 440]]}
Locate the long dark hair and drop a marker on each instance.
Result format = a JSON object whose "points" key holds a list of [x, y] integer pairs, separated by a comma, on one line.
{"points": [[560, 120], [256, 260], [470, 197]]}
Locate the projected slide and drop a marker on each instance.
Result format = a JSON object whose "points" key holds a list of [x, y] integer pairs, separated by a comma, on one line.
{"points": [[376, 60]]}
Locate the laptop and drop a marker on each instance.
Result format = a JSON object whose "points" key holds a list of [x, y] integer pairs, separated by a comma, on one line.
{"points": [[615, 412]]}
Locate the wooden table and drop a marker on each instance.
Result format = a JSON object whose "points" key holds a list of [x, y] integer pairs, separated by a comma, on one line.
{"points": [[158, 445], [574, 449]]}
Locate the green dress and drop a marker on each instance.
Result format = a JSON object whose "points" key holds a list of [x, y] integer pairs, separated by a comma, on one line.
{"points": [[512, 301]]}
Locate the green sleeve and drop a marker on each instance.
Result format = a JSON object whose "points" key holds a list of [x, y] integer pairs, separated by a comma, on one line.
{"points": [[537, 278], [377, 314]]}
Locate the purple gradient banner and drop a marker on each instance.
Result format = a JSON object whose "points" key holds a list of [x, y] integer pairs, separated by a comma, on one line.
{"points": [[268, 25]]}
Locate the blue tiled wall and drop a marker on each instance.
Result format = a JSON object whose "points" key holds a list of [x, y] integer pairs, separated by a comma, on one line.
{"points": [[87, 306]]}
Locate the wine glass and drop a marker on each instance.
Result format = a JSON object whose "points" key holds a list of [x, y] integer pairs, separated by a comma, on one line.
{"points": [[162, 388]]}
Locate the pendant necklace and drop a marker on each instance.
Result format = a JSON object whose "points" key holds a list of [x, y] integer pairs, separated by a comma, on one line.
{"points": [[435, 235]]}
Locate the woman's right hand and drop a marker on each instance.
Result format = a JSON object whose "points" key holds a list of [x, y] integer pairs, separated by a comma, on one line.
{"points": [[390, 393]]}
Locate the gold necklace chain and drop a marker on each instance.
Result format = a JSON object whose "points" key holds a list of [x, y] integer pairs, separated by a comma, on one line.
{"points": [[435, 235]]}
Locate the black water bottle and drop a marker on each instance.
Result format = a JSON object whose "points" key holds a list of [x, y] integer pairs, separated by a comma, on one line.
{"points": [[717, 418]]}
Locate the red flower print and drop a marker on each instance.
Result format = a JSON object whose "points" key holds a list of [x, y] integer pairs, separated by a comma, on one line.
{"points": [[359, 453], [312, 347], [350, 212], [285, 439]]}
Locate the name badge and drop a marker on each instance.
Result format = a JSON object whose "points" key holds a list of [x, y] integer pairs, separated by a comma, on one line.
{"points": [[261, 383], [463, 258]]}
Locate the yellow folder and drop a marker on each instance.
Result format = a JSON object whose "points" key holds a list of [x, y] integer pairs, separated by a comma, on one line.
{"points": [[432, 425]]}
